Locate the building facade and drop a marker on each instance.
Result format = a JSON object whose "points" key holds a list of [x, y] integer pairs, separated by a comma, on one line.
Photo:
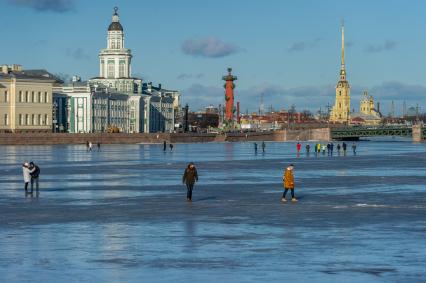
{"points": [[92, 110], [161, 108], [115, 62], [340, 112], [25, 100]]}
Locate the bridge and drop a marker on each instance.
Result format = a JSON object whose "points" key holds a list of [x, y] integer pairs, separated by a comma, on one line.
{"points": [[417, 132]]}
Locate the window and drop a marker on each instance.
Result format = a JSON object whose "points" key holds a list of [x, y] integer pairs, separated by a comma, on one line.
{"points": [[46, 100], [20, 120], [121, 69], [27, 119], [46, 119], [6, 119], [340, 105], [102, 68], [39, 97], [32, 119], [111, 69], [6, 96], [39, 119], [20, 96], [33, 97], [27, 97]]}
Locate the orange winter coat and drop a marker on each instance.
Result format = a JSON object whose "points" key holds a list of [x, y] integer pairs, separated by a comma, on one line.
{"points": [[288, 179]]}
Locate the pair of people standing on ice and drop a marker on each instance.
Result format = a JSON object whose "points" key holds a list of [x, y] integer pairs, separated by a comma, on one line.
{"points": [[31, 173]]}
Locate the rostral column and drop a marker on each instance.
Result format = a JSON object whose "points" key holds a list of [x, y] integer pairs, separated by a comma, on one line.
{"points": [[229, 96]]}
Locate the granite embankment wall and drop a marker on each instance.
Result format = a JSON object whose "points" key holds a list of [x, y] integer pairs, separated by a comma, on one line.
{"points": [[51, 138]]}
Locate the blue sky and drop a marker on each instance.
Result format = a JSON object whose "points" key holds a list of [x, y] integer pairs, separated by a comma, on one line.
{"points": [[287, 51]]}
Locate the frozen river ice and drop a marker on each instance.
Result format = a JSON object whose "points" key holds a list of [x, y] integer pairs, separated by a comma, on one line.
{"points": [[120, 215]]}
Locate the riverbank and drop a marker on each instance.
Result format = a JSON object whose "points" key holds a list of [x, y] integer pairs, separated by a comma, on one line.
{"points": [[106, 138]]}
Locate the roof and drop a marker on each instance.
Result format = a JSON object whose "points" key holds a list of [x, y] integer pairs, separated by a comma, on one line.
{"points": [[32, 74], [363, 116], [115, 26]]}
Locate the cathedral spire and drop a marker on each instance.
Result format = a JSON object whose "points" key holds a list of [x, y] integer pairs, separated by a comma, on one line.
{"points": [[342, 63], [343, 45]]}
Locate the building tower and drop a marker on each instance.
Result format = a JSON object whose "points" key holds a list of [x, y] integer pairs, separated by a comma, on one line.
{"points": [[229, 96], [115, 60], [115, 69], [341, 109]]}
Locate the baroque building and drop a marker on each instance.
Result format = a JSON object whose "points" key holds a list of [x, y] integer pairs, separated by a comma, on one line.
{"points": [[115, 62], [340, 112], [368, 114]]}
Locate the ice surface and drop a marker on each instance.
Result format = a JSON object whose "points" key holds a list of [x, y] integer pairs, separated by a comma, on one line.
{"points": [[120, 215]]}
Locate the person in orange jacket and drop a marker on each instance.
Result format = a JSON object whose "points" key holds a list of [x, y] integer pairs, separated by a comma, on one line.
{"points": [[288, 182]]}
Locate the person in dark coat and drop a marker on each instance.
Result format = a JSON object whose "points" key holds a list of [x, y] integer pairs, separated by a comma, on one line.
{"points": [[344, 148], [164, 146], [190, 176], [35, 173]]}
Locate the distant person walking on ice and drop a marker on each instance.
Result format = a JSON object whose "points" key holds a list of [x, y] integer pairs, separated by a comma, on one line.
{"points": [[318, 147], [288, 182], [338, 148], [298, 147], [87, 145], [190, 176], [99, 146], [263, 147], [344, 148], [90, 146], [27, 175], [171, 147], [354, 148], [255, 148], [164, 146], [308, 147]]}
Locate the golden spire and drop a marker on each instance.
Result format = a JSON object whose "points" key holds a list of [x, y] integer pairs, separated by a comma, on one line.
{"points": [[343, 45], [342, 64]]}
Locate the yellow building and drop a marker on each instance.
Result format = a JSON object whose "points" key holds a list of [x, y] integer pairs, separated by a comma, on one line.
{"points": [[368, 114], [366, 105], [25, 100], [341, 109]]}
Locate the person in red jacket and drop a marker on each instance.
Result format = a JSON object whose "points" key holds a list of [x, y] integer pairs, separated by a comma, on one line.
{"points": [[298, 147]]}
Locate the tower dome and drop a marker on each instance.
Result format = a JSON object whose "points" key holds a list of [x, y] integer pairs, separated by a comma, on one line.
{"points": [[115, 24]]}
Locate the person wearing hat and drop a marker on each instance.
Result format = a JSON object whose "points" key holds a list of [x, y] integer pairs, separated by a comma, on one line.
{"points": [[190, 176], [288, 182], [27, 176]]}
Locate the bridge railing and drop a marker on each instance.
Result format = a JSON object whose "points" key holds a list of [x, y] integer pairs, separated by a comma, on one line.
{"points": [[368, 131]]}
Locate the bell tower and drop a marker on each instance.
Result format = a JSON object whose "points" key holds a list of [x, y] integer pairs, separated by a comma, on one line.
{"points": [[341, 109]]}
